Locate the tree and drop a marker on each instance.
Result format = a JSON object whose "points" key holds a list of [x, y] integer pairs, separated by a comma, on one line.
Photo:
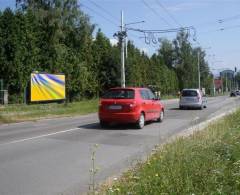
{"points": [[55, 36], [184, 61], [8, 47], [167, 53]]}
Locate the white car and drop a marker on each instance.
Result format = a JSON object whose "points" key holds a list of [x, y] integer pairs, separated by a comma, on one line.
{"points": [[192, 98]]}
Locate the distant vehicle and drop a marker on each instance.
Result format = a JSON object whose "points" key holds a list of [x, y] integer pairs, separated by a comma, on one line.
{"points": [[192, 98], [234, 93], [130, 105]]}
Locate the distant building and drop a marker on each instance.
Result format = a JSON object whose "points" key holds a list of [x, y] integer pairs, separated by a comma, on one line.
{"points": [[229, 74]]}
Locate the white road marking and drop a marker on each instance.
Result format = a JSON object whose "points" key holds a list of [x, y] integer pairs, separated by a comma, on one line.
{"points": [[40, 136]]}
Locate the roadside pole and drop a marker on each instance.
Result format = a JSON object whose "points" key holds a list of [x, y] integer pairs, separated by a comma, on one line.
{"points": [[214, 89], [122, 39], [199, 77], [222, 84], [121, 36], [226, 84]]}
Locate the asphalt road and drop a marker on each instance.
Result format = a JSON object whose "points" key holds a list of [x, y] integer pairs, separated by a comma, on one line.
{"points": [[53, 156]]}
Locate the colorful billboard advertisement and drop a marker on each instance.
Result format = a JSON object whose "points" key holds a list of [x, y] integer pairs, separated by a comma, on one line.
{"points": [[47, 87]]}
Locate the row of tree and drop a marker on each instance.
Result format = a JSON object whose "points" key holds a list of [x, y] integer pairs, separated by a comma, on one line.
{"points": [[55, 36]]}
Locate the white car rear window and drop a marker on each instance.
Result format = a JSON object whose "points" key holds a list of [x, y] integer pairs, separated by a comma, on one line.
{"points": [[189, 93]]}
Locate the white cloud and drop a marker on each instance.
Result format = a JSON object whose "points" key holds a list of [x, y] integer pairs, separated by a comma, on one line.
{"points": [[113, 42]]}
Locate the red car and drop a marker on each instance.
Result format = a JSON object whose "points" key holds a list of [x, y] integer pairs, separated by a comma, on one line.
{"points": [[130, 105]]}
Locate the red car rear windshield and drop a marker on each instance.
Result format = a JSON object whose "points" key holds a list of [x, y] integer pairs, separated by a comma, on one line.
{"points": [[119, 94]]}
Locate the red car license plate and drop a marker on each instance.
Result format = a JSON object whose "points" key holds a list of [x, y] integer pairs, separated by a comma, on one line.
{"points": [[115, 107]]}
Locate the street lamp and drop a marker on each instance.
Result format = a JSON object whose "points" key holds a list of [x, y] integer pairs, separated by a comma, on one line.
{"points": [[134, 23], [125, 26]]}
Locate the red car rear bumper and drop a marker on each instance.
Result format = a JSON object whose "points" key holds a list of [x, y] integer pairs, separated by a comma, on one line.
{"points": [[119, 117]]}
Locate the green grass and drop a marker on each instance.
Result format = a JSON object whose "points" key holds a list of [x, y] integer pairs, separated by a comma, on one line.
{"points": [[17, 113], [207, 162]]}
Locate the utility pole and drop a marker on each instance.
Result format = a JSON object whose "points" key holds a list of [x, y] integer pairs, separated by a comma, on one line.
{"points": [[122, 39], [199, 77], [199, 73], [226, 83], [214, 89], [222, 84], [121, 35]]}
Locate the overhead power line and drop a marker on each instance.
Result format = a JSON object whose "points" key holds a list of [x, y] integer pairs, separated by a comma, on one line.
{"points": [[222, 29], [217, 22], [99, 14], [165, 30], [156, 13], [229, 27], [169, 14], [103, 9], [104, 17], [150, 35], [229, 18]]}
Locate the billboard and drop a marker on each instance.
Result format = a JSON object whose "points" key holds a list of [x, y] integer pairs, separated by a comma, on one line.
{"points": [[47, 87]]}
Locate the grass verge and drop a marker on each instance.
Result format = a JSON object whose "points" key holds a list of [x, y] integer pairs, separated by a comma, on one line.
{"points": [[207, 162], [167, 97], [17, 113]]}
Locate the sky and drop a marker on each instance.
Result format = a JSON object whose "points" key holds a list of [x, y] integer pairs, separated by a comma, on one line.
{"points": [[217, 23]]}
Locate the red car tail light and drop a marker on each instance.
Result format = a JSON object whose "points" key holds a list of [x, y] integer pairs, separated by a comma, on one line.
{"points": [[132, 105]]}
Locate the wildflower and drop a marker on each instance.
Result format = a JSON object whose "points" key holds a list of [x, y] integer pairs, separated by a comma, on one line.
{"points": [[110, 189], [135, 177], [115, 178], [237, 162], [117, 189], [156, 175]]}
